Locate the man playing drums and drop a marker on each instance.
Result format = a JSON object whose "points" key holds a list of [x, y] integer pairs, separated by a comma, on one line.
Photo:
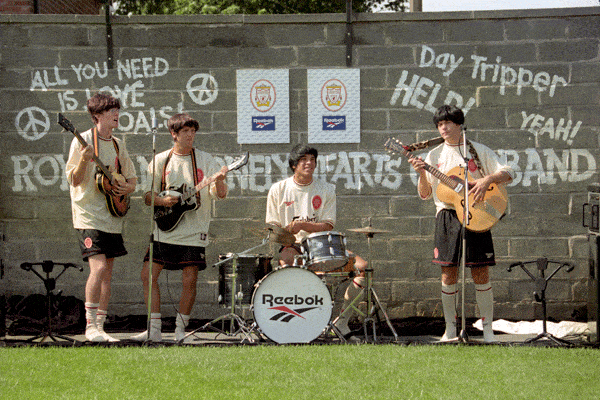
{"points": [[302, 206]]}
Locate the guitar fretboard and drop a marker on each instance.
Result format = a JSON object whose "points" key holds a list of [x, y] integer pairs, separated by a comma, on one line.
{"points": [[398, 147]]}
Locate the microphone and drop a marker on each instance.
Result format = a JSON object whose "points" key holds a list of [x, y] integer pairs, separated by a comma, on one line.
{"points": [[154, 124]]}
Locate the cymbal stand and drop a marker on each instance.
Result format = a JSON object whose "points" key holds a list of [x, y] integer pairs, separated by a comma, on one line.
{"points": [[540, 294], [233, 318], [373, 303], [50, 284]]}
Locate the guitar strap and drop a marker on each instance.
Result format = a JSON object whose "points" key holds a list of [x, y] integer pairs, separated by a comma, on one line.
{"points": [[476, 159], [194, 170], [434, 142], [97, 149], [425, 144]]}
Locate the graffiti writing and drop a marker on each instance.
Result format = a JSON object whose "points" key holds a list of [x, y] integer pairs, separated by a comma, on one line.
{"points": [[352, 171]]}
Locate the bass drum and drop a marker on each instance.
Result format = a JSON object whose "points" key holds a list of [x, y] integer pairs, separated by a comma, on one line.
{"points": [[292, 305]]}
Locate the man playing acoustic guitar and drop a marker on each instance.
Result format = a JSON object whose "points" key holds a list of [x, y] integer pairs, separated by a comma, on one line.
{"points": [[485, 170], [180, 247], [98, 226]]}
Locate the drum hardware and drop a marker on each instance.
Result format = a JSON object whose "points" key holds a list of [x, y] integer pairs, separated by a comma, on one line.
{"points": [[50, 284], [325, 251], [233, 318], [372, 306]]}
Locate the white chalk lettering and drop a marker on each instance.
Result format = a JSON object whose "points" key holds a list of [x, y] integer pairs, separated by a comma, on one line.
{"points": [[354, 170], [561, 131], [507, 76], [415, 90]]}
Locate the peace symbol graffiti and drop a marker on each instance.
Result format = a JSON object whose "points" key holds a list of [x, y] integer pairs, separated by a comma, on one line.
{"points": [[35, 125], [205, 92]]}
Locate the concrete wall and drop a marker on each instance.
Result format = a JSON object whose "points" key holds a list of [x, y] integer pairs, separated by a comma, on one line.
{"points": [[528, 80]]}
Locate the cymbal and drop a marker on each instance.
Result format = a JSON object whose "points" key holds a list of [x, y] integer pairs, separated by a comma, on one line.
{"points": [[369, 230], [280, 235]]}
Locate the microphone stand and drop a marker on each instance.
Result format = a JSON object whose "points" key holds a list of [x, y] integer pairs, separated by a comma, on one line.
{"points": [[463, 337], [151, 247]]}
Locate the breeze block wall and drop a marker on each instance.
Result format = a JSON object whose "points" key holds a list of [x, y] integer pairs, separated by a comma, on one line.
{"points": [[527, 80]]}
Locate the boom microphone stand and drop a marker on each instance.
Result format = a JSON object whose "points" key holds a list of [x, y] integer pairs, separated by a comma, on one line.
{"points": [[463, 337]]}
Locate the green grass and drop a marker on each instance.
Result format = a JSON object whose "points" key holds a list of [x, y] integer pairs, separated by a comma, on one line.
{"points": [[300, 372]]}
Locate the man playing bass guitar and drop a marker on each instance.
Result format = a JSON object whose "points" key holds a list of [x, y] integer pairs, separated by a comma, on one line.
{"points": [[98, 228], [183, 246], [485, 169]]}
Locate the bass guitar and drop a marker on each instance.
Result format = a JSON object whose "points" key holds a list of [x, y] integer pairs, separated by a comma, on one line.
{"points": [[117, 205], [484, 214], [167, 218]]}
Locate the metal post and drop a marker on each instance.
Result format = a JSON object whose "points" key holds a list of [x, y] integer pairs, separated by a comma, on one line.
{"points": [[348, 33], [109, 39]]}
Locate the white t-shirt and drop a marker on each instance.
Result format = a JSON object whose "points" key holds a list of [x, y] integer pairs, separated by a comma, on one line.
{"points": [[445, 157], [88, 204], [287, 201], [192, 229]]}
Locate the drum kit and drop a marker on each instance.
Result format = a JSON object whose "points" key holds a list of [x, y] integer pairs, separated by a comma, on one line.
{"points": [[291, 304]]}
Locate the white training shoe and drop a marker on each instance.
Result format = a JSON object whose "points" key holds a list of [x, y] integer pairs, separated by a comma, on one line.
{"points": [[155, 336], [449, 338], [93, 335], [342, 326]]}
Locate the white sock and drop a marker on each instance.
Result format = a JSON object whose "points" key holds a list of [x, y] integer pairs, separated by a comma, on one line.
{"points": [[91, 329], [155, 330], [485, 301], [181, 322], [100, 319], [91, 311], [352, 291], [449, 294]]}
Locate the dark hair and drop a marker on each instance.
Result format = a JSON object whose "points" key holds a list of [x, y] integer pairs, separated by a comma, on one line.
{"points": [[101, 102], [449, 113], [179, 121], [299, 151]]}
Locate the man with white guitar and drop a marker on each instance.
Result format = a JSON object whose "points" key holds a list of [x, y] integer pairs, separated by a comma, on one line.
{"points": [[182, 245], [485, 171], [99, 227]]}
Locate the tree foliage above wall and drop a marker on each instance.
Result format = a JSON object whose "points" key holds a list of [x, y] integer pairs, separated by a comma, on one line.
{"points": [[180, 7]]}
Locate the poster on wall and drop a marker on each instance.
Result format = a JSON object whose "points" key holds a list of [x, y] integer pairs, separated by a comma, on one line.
{"points": [[263, 106], [333, 105]]}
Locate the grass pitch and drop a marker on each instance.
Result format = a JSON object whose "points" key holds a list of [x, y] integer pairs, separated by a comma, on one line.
{"points": [[300, 372]]}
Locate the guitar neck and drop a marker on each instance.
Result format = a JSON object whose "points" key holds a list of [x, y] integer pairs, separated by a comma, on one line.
{"points": [[201, 185], [445, 179], [102, 167]]}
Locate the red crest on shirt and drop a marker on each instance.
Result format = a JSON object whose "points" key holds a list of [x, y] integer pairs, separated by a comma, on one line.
{"points": [[200, 174], [317, 202], [88, 242], [472, 166]]}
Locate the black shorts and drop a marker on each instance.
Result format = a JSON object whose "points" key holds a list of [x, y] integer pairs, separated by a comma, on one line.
{"points": [[93, 242], [177, 257], [448, 243]]}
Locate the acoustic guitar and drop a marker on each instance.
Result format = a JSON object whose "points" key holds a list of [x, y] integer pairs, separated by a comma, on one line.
{"points": [[117, 205], [484, 214], [167, 218]]}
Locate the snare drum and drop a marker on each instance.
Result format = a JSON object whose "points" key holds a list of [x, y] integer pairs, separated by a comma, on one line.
{"points": [[251, 268], [325, 251], [292, 305]]}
